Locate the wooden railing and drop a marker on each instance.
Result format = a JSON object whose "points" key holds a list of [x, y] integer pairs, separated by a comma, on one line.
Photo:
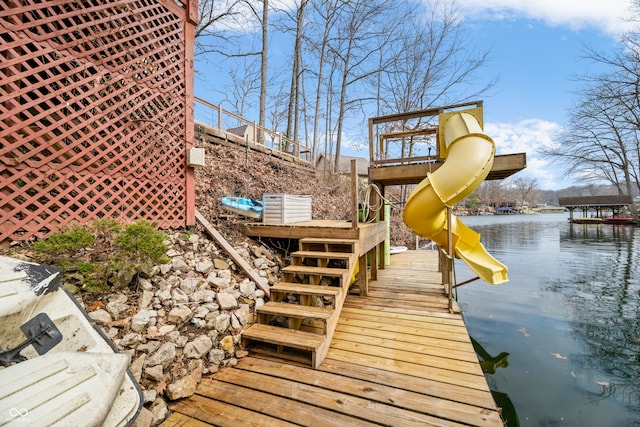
{"points": [[214, 116]]}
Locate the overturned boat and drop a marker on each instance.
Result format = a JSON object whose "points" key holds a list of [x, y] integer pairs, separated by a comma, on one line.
{"points": [[249, 208], [57, 367]]}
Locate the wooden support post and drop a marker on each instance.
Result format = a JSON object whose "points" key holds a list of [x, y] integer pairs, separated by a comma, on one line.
{"points": [[374, 262], [449, 270], [363, 281], [354, 195]]}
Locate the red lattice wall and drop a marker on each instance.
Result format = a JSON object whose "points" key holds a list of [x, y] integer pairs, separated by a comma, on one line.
{"points": [[96, 113]]}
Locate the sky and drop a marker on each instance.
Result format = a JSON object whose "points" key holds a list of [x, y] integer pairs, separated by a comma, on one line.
{"points": [[537, 51]]}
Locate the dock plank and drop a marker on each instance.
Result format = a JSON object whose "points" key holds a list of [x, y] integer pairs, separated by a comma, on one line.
{"points": [[445, 408], [398, 357]]}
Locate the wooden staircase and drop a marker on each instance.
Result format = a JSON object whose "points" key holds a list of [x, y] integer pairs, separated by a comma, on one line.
{"points": [[299, 321]]}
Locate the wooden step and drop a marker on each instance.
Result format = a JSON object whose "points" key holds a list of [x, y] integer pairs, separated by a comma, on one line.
{"points": [[294, 310], [321, 258], [280, 290], [295, 314], [290, 344], [283, 337], [317, 271], [314, 274], [328, 245], [328, 241], [319, 254]]}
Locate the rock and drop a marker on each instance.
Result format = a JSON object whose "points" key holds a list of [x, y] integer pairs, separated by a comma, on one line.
{"points": [[131, 340], [227, 344], [226, 301], [136, 367], [222, 322], [144, 419], [241, 353], [101, 316], [179, 297], [201, 312], [247, 288], [146, 284], [184, 387], [243, 314], [165, 269], [146, 299], [164, 356], [149, 395], [189, 285], [172, 253], [260, 263], [196, 367], [225, 274], [148, 347], [154, 373], [142, 319], [220, 264], [219, 282], [235, 323], [204, 267], [194, 239], [257, 251], [216, 356], [179, 314], [118, 299], [159, 411], [198, 347], [173, 336], [117, 309], [164, 295], [204, 295], [179, 264], [181, 341], [165, 329]]}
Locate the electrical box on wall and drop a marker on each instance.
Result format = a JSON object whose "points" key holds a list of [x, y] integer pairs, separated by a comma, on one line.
{"points": [[195, 157]]}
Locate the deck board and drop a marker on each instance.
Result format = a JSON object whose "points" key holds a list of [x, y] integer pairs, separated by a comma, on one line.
{"points": [[404, 362]]}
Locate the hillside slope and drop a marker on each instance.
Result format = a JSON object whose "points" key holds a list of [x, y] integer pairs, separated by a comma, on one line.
{"points": [[232, 171]]}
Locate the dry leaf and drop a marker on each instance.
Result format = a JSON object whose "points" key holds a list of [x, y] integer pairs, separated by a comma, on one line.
{"points": [[83, 348], [637, 339], [161, 387], [95, 305], [559, 356], [122, 323]]}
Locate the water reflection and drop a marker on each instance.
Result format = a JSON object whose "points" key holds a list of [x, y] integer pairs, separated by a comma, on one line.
{"points": [[568, 318], [606, 307], [489, 365]]}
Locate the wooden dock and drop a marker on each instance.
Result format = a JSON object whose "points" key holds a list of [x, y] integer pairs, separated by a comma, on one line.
{"points": [[398, 358]]}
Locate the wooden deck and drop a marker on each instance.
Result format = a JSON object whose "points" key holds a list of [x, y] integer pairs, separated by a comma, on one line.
{"points": [[398, 358], [368, 234]]}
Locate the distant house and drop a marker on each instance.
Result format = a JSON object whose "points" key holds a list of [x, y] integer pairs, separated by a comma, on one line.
{"points": [[344, 165]]}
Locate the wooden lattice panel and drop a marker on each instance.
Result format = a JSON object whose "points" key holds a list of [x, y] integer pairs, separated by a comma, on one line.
{"points": [[94, 113]]}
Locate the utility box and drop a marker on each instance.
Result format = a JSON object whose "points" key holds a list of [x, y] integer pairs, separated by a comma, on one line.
{"points": [[285, 208]]}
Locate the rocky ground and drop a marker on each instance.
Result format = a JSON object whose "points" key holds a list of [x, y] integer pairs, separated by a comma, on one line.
{"points": [[185, 319]]}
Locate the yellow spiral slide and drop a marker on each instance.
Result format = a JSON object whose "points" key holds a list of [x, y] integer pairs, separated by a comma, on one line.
{"points": [[469, 156]]}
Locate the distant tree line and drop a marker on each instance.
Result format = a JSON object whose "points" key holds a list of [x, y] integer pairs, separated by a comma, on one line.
{"points": [[316, 68]]}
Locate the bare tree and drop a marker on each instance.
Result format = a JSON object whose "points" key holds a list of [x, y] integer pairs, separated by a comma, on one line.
{"points": [[361, 31], [524, 189], [215, 18]]}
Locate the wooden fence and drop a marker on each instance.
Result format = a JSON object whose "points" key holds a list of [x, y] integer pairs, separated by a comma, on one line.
{"points": [[96, 113], [229, 124]]}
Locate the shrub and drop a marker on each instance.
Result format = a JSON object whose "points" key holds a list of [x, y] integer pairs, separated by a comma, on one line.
{"points": [[104, 253]]}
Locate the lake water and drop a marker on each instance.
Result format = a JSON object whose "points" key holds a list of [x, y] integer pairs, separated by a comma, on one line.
{"points": [[569, 319]]}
